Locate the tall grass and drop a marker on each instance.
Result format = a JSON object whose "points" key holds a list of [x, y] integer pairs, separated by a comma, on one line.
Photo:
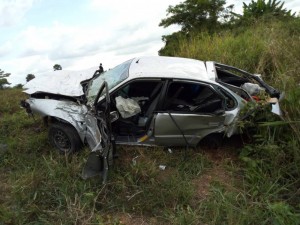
{"points": [[271, 49], [270, 165], [40, 186]]}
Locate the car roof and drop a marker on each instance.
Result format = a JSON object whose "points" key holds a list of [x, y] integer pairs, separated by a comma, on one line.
{"points": [[169, 67]]}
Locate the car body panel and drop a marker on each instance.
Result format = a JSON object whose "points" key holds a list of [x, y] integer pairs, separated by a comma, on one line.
{"points": [[211, 70], [173, 128], [62, 82], [168, 67], [66, 111]]}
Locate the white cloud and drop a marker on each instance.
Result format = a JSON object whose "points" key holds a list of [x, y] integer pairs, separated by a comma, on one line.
{"points": [[12, 11], [5, 48], [126, 34]]}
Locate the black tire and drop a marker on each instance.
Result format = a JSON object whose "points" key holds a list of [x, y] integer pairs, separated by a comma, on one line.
{"points": [[64, 138]]}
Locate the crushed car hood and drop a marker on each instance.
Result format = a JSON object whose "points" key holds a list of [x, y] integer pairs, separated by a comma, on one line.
{"points": [[62, 82]]}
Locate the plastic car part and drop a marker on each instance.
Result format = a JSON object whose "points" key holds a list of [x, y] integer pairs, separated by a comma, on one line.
{"points": [[127, 107]]}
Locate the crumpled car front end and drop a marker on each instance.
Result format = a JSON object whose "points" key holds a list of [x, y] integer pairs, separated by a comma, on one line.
{"points": [[71, 122]]}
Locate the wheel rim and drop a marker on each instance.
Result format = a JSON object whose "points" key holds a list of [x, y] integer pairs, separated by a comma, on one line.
{"points": [[62, 141]]}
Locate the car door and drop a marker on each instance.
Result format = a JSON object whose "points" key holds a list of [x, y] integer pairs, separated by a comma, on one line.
{"points": [[191, 110]]}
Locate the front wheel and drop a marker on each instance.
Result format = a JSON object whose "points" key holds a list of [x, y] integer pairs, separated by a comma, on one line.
{"points": [[65, 138]]}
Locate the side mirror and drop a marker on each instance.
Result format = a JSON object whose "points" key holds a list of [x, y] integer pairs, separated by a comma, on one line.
{"points": [[114, 115]]}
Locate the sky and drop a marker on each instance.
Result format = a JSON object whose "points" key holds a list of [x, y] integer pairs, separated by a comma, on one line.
{"points": [[80, 34]]}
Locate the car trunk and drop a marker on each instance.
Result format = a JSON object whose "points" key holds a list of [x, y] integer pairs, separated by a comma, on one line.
{"points": [[243, 83]]}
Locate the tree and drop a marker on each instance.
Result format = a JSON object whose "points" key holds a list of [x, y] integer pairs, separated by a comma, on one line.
{"points": [[3, 80], [198, 15], [18, 86], [260, 9], [171, 43], [194, 16], [57, 67], [30, 77]]}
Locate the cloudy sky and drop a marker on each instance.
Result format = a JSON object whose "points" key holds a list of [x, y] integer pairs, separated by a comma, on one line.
{"points": [[79, 34]]}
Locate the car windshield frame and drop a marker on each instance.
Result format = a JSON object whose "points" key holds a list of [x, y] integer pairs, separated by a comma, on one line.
{"points": [[113, 77]]}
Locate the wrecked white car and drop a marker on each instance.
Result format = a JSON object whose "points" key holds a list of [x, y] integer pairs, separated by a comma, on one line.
{"points": [[165, 101]]}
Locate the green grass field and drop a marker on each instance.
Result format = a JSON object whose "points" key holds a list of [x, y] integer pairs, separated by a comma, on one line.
{"points": [[230, 185]]}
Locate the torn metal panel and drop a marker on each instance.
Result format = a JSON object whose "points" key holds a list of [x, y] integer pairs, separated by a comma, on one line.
{"points": [[275, 106], [211, 70], [67, 111], [93, 135], [61, 82]]}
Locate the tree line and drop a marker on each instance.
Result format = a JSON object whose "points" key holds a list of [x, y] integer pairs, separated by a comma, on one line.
{"points": [[213, 16], [4, 82]]}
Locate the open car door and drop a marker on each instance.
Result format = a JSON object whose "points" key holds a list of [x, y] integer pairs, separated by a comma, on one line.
{"points": [[99, 138]]}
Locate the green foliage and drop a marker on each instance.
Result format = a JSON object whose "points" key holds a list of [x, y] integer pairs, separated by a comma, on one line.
{"points": [[261, 8], [3, 80], [194, 15], [171, 43], [29, 77], [260, 49], [195, 18], [18, 86], [197, 15], [57, 67]]}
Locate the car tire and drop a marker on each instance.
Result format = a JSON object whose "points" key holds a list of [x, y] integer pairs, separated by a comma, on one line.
{"points": [[64, 138]]}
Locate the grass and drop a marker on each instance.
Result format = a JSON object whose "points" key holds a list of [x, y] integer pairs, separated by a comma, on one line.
{"points": [[40, 186], [225, 186]]}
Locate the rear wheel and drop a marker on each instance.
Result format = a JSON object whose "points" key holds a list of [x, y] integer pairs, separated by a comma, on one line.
{"points": [[64, 138]]}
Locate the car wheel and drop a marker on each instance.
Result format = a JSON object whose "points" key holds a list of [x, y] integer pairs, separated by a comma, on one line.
{"points": [[65, 138]]}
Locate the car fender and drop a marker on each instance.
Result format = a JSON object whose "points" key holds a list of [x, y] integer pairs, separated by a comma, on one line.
{"points": [[67, 111]]}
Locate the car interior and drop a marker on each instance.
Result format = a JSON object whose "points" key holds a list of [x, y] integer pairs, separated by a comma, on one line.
{"points": [[192, 97], [146, 94]]}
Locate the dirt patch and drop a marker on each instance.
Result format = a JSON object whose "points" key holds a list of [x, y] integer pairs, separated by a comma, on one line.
{"points": [[219, 159], [128, 219]]}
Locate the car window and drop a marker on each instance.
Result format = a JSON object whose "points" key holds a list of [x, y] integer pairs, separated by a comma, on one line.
{"points": [[113, 77], [192, 97], [144, 92], [140, 88], [231, 103]]}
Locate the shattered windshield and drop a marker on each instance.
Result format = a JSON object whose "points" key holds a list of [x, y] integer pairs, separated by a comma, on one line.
{"points": [[113, 77]]}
